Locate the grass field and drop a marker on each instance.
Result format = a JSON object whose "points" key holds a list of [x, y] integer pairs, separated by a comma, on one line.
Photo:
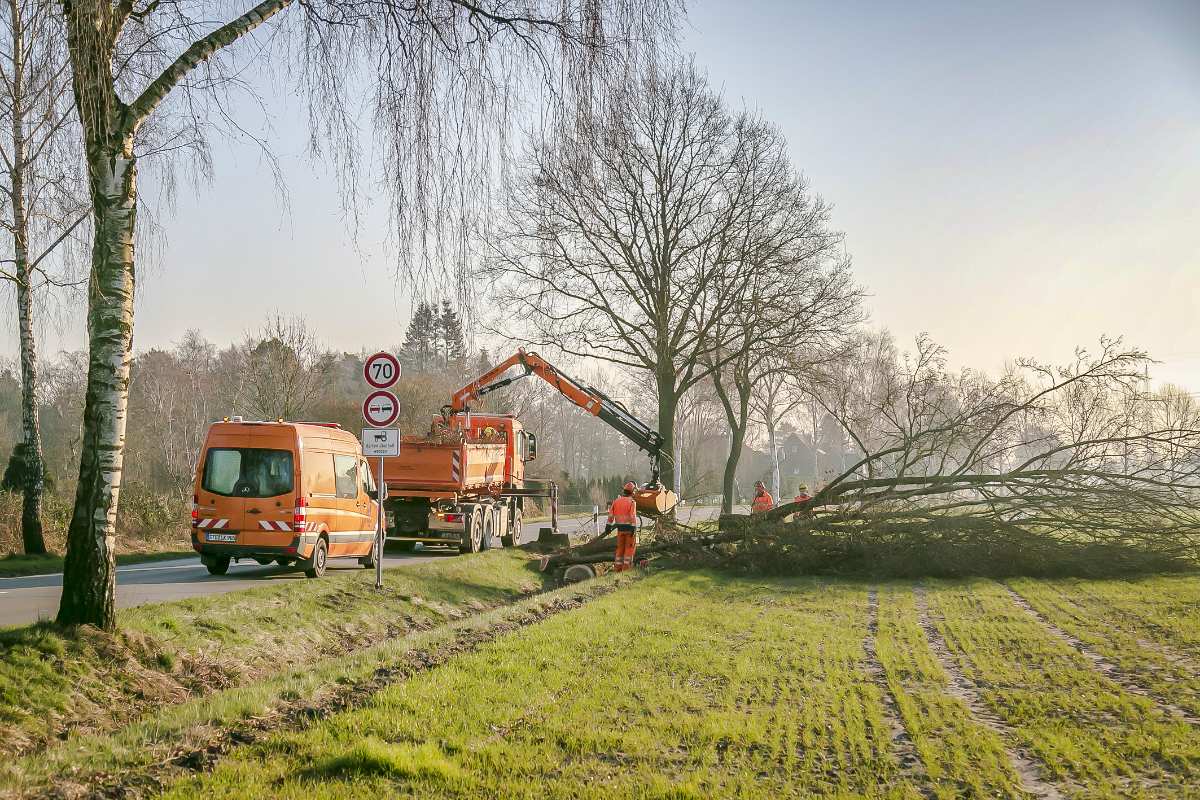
{"points": [[701, 685]]}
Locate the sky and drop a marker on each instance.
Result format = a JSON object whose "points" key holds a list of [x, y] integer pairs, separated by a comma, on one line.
{"points": [[1013, 178]]}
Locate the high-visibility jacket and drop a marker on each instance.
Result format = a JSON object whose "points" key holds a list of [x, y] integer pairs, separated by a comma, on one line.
{"points": [[623, 511], [802, 497], [762, 502]]}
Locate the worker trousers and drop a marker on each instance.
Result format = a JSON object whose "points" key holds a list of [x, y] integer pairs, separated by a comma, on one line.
{"points": [[626, 545]]}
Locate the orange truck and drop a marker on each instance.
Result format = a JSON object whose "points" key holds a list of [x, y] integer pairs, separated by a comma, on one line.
{"points": [[284, 492], [464, 482]]}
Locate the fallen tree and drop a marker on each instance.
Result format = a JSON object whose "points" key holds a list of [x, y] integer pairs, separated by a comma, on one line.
{"points": [[1075, 469]]}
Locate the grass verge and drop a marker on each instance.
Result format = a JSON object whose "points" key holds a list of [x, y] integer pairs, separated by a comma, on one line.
{"points": [[139, 758], [16, 566], [56, 683]]}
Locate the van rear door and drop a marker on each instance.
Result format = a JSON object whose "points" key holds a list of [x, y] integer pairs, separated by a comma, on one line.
{"points": [[221, 513], [257, 485]]}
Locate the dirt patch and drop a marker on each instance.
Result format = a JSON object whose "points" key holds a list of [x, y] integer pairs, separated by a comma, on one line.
{"points": [[901, 741], [300, 714], [1101, 664], [1028, 769]]}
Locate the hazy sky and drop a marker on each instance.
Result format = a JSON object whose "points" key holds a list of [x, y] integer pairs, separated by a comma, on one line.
{"points": [[1013, 178]]}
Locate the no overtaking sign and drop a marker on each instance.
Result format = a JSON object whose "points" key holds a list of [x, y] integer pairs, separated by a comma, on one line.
{"points": [[381, 408]]}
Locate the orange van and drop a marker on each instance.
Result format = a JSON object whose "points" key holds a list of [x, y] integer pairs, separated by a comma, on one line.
{"points": [[292, 493]]}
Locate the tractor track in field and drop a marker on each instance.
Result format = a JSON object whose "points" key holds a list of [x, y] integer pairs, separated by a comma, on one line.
{"points": [[903, 748], [1168, 652], [149, 780], [1100, 663], [1029, 770]]}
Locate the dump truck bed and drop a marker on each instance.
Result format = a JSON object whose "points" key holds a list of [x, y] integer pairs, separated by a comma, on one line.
{"points": [[431, 466]]}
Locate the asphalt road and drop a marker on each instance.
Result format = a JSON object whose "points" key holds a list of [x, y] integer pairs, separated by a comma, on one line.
{"points": [[35, 597]]}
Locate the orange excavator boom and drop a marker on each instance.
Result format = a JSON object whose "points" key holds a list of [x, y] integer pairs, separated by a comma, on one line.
{"points": [[652, 499]]}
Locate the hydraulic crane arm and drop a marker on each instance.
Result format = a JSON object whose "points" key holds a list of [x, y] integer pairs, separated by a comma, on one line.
{"points": [[589, 398]]}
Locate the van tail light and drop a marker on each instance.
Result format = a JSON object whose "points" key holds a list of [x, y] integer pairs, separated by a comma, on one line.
{"points": [[454, 518], [300, 515], [195, 511]]}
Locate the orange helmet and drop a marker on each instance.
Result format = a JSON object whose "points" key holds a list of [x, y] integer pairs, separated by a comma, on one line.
{"points": [[629, 487]]}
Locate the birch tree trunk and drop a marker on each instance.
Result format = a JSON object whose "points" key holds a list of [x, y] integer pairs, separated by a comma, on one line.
{"points": [[89, 573], [33, 468], [775, 477]]}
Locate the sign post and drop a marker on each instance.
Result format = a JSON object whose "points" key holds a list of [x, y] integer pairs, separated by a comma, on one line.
{"points": [[380, 410]]}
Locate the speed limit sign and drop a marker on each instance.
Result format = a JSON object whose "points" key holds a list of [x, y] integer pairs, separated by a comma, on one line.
{"points": [[381, 370]]}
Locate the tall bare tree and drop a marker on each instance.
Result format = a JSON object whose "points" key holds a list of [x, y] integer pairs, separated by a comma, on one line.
{"points": [[622, 238], [438, 73], [47, 205]]}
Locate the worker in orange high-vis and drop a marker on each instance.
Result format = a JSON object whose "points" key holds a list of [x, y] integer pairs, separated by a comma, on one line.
{"points": [[802, 495], [762, 499], [622, 515]]}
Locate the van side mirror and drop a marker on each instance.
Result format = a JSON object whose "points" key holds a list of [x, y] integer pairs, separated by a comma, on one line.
{"points": [[532, 447]]}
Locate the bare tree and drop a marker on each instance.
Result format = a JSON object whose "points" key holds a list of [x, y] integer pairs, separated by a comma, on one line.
{"points": [[621, 238], [774, 397], [131, 62], [47, 206], [284, 369]]}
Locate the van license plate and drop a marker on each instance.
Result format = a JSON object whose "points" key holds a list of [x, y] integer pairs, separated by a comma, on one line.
{"points": [[221, 537]]}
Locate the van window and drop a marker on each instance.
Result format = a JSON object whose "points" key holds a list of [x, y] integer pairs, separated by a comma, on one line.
{"points": [[367, 477], [318, 472], [345, 470], [247, 472]]}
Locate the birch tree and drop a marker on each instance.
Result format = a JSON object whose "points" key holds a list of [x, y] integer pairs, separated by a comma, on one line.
{"points": [[47, 207], [438, 76]]}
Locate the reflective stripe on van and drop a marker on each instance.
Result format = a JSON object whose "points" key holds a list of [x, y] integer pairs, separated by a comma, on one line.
{"points": [[215, 524], [274, 526]]}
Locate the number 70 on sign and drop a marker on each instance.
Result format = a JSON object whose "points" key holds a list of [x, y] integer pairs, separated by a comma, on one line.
{"points": [[381, 370]]}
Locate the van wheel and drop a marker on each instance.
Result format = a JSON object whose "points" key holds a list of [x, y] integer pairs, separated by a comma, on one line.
{"points": [[369, 560], [216, 565], [315, 567], [472, 541]]}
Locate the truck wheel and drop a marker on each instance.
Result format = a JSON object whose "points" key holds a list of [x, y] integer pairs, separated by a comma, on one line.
{"points": [[472, 533], [489, 529], [514, 532], [315, 566], [216, 565]]}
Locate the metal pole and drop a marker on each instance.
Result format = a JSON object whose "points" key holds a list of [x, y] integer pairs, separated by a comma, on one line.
{"points": [[380, 491]]}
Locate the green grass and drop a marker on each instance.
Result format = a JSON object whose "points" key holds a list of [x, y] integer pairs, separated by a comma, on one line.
{"points": [[159, 734], [680, 686], [1146, 652], [54, 681], [1090, 733], [15, 566], [962, 757]]}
